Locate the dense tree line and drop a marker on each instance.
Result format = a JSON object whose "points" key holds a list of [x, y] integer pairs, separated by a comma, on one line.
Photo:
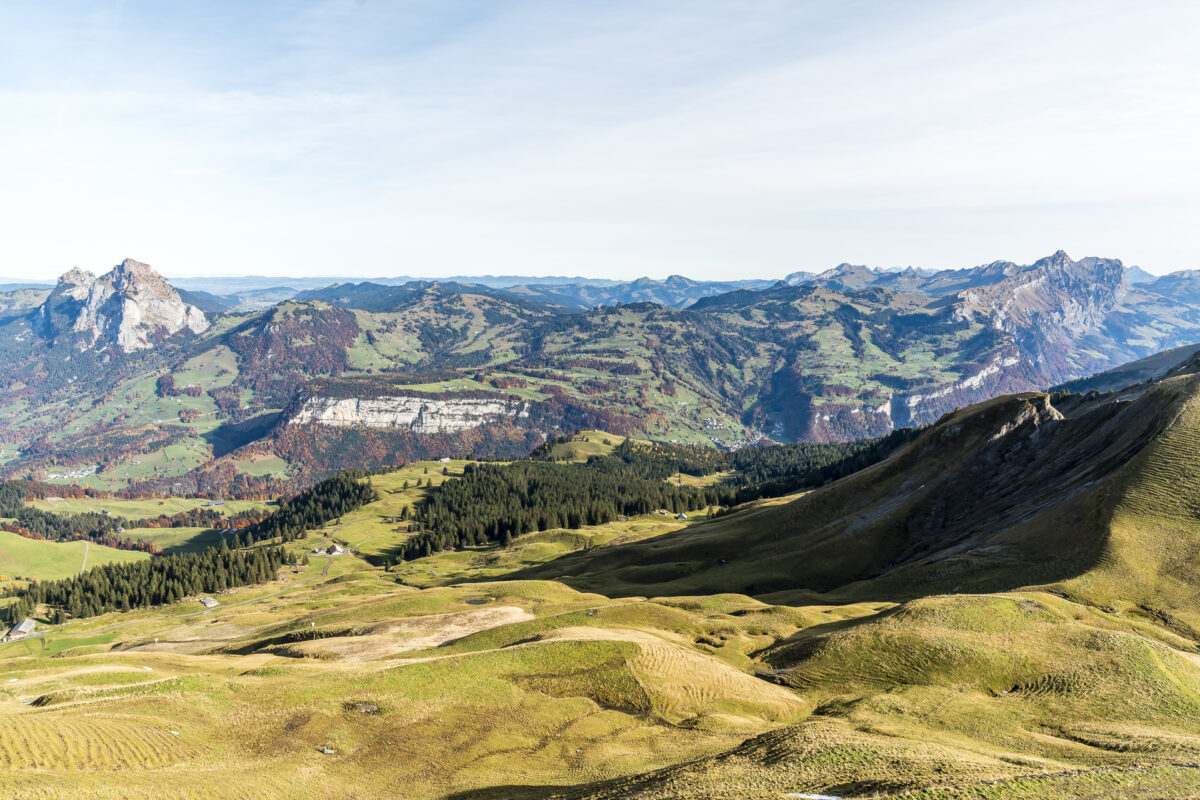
{"points": [[96, 528], [202, 517], [157, 581], [328, 500], [214, 479], [165, 386], [102, 528], [494, 503], [784, 468], [39, 490], [34, 523], [18, 610], [12, 498], [668, 458]]}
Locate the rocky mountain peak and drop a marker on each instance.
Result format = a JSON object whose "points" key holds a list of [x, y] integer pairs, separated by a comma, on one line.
{"points": [[845, 268], [77, 277], [135, 276], [130, 307], [1107, 271], [1048, 306]]}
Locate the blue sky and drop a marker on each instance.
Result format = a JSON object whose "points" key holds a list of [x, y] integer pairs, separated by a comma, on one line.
{"points": [[615, 139]]}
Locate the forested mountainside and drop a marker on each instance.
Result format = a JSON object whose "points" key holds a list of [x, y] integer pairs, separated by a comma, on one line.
{"points": [[121, 381]]}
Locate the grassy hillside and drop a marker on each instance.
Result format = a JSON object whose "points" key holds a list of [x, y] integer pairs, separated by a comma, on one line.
{"points": [[1009, 494], [582, 446], [1004, 609], [474, 687], [35, 558]]}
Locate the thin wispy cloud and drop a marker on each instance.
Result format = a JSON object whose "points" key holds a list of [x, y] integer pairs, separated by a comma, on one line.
{"points": [[612, 139]]}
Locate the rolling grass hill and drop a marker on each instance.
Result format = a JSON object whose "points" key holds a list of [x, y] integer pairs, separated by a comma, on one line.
{"points": [[582, 446], [43, 560], [1009, 494], [479, 687]]}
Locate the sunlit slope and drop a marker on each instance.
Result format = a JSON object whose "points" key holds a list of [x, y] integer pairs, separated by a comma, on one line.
{"points": [[981, 696], [1151, 553], [1101, 501], [480, 689], [1007, 609], [436, 691], [38, 558]]}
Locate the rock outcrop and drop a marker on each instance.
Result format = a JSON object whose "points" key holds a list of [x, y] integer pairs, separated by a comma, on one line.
{"points": [[418, 414], [130, 308], [1056, 294]]}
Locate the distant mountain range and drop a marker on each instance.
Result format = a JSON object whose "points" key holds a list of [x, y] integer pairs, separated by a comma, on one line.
{"points": [[225, 293], [676, 291], [851, 352]]}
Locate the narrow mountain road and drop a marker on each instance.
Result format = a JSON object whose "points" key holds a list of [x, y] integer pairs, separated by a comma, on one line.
{"points": [[297, 585], [86, 546]]}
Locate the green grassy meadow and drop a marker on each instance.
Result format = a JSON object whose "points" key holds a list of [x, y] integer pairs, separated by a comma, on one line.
{"points": [[176, 540], [36, 558], [449, 677]]}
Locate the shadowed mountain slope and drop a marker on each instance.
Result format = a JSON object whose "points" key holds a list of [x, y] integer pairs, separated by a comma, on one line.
{"points": [[1129, 375], [1009, 493]]}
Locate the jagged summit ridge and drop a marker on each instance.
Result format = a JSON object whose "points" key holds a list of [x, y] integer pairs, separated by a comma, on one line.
{"points": [[130, 307], [1050, 305]]}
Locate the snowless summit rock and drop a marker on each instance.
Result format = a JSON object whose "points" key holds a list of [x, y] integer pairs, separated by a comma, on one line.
{"points": [[132, 307]]}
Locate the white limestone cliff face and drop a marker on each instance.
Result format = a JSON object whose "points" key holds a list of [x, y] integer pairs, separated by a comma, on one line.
{"points": [[418, 414], [130, 307]]}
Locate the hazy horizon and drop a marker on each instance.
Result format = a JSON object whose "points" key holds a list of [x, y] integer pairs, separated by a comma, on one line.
{"points": [[705, 139], [5, 279]]}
